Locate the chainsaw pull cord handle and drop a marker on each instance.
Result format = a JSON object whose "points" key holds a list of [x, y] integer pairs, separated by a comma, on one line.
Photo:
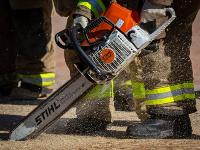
{"points": [[73, 36]]}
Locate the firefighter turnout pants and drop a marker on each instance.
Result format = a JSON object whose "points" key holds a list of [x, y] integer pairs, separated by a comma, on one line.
{"points": [[163, 80], [26, 49]]}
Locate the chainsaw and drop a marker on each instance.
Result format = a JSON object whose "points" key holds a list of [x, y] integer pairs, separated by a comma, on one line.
{"points": [[106, 47]]}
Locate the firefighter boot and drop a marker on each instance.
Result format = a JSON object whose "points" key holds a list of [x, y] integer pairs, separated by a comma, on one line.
{"points": [[162, 127]]}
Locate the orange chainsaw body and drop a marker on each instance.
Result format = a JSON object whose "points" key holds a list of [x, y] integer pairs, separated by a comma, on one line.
{"points": [[118, 14]]}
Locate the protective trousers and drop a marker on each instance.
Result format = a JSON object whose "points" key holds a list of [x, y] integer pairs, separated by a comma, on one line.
{"points": [[123, 98], [163, 82], [96, 104], [122, 84], [26, 49]]}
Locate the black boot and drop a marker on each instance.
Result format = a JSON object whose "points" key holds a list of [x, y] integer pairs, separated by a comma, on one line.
{"points": [[182, 127], [162, 127]]}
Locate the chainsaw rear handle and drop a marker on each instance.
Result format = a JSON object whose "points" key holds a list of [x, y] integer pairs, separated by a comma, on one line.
{"points": [[73, 37], [67, 38], [61, 39]]}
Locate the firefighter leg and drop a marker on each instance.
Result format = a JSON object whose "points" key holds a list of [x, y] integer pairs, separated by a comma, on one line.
{"points": [[123, 99], [35, 61], [7, 49], [93, 111], [138, 89], [167, 74]]}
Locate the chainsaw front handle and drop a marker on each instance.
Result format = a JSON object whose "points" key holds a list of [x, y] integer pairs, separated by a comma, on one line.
{"points": [[172, 15]]}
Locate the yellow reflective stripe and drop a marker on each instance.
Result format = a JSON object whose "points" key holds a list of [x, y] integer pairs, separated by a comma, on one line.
{"points": [[101, 5], [170, 99], [190, 96], [164, 89], [170, 94], [170, 88], [46, 83], [127, 83], [99, 92], [43, 79], [138, 90], [42, 75], [90, 7], [112, 89], [188, 85]]}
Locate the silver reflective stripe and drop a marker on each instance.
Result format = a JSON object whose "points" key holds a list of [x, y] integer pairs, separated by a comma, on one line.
{"points": [[38, 80], [169, 94]]}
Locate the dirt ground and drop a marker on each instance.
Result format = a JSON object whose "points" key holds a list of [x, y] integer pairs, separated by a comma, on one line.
{"points": [[61, 136]]}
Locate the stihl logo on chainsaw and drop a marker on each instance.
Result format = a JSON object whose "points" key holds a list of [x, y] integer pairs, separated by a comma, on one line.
{"points": [[46, 113], [107, 56]]}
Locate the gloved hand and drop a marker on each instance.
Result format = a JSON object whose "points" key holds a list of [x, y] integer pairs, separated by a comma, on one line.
{"points": [[154, 10], [80, 20], [153, 14]]}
